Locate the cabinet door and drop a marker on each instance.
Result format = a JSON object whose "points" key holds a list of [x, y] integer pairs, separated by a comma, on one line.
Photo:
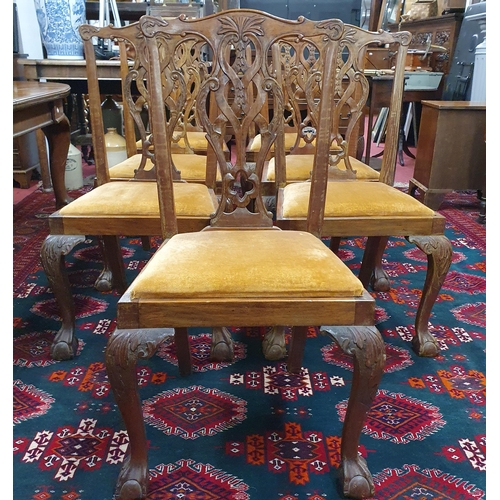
{"points": [[443, 35]]}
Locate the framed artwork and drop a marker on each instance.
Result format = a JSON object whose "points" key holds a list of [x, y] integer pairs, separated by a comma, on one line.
{"points": [[390, 13]]}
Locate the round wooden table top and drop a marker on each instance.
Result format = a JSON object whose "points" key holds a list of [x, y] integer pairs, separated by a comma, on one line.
{"points": [[28, 93]]}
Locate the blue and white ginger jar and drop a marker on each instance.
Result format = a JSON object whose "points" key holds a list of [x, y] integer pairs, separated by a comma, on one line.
{"points": [[59, 21]]}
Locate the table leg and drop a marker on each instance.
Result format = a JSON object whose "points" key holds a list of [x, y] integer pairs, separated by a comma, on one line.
{"points": [[44, 162], [58, 137]]}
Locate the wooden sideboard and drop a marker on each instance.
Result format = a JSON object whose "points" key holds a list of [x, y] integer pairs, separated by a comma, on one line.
{"points": [[451, 151], [442, 31]]}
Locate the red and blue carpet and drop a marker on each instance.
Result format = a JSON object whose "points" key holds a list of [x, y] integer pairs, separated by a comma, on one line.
{"points": [[249, 430]]}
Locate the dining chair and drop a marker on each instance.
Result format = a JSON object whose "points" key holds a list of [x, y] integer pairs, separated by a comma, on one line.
{"points": [[348, 206], [294, 69], [139, 163], [301, 96], [240, 270], [112, 208], [299, 66]]}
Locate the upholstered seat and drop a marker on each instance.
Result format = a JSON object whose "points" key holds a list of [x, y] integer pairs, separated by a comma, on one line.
{"points": [[349, 199], [290, 138], [126, 169], [308, 269], [113, 199], [197, 142], [193, 167], [299, 167]]}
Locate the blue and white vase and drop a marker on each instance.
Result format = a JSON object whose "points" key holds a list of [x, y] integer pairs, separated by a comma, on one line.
{"points": [[59, 21]]}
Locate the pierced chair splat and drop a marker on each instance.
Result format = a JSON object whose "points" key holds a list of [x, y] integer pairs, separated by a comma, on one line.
{"points": [[300, 67], [240, 270], [193, 166]]}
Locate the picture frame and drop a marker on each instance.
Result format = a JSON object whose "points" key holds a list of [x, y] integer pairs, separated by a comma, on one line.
{"points": [[390, 13]]}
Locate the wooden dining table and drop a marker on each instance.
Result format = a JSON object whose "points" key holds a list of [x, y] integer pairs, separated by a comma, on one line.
{"points": [[40, 106]]}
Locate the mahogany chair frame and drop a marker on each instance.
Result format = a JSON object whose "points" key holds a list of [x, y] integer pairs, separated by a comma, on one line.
{"points": [[67, 231], [146, 317], [425, 231]]}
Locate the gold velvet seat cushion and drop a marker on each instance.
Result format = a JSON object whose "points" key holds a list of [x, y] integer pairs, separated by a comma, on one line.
{"points": [[298, 168], [354, 199], [245, 263], [126, 168], [197, 140], [193, 167], [140, 198], [290, 138]]}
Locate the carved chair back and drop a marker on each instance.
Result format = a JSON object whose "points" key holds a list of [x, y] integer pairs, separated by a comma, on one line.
{"points": [[328, 64], [133, 72], [136, 99], [303, 77]]}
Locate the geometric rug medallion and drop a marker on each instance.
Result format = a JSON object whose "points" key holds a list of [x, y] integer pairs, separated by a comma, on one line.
{"points": [[399, 418], [396, 357], [194, 412], [186, 480], [29, 402], [412, 483]]}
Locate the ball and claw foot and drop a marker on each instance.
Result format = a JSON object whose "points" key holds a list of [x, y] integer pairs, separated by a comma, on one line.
{"points": [[65, 346], [104, 283], [356, 479], [131, 490], [380, 281], [132, 483], [222, 348], [273, 344], [425, 345]]}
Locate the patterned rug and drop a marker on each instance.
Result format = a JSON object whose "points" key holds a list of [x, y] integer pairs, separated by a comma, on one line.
{"points": [[249, 430]]}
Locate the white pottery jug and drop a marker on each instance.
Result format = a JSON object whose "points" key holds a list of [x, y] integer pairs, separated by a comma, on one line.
{"points": [[59, 21], [73, 178], [116, 147]]}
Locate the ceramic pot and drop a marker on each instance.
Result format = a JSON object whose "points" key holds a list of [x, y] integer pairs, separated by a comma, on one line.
{"points": [[59, 21], [112, 114], [73, 178], [116, 147]]}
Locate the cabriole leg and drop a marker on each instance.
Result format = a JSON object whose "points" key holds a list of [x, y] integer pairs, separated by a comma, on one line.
{"points": [[365, 344], [52, 253], [124, 349], [371, 271], [113, 273], [439, 253]]}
